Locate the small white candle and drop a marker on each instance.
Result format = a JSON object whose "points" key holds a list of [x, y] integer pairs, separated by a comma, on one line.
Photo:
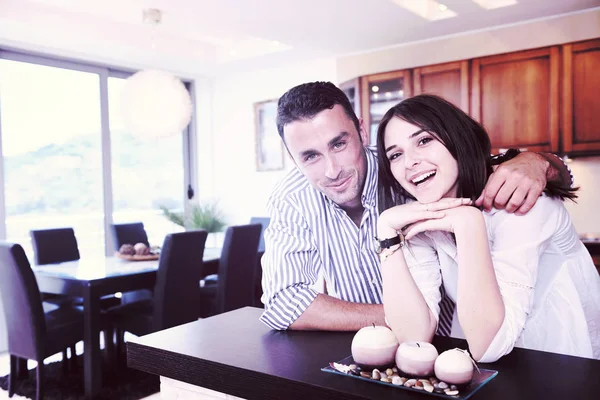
{"points": [[416, 358], [454, 366], [374, 346]]}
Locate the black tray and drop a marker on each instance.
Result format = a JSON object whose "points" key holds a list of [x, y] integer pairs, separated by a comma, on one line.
{"points": [[479, 379]]}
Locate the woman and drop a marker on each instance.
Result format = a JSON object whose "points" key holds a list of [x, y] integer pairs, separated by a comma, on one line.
{"points": [[523, 281]]}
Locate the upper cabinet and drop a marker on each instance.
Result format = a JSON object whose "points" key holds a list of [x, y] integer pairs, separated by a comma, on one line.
{"points": [[543, 100], [516, 98], [352, 90], [581, 97], [379, 93], [450, 81]]}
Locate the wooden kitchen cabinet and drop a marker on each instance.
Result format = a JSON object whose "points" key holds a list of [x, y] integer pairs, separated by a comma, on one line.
{"points": [[450, 81], [379, 93], [516, 98], [352, 90], [581, 97]]}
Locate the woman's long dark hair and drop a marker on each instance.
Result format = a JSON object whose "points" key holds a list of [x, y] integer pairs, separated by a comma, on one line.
{"points": [[466, 140]]}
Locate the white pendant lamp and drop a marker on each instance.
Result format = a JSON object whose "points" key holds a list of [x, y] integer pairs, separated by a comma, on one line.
{"points": [[155, 103]]}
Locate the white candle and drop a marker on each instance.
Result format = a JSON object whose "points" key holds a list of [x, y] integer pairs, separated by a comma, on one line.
{"points": [[374, 346], [416, 358], [454, 366]]}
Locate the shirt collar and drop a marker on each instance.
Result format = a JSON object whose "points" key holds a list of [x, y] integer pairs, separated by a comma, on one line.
{"points": [[369, 195]]}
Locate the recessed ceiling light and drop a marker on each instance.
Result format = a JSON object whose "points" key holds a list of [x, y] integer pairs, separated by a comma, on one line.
{"points": [[492, 4], [375, 88], [429, 9], [388, 94]]}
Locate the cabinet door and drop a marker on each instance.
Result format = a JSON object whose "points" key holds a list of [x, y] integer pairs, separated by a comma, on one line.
{"points": [[516, 98], [450, 81], [379, 93], [352, 90], [581, 97]]}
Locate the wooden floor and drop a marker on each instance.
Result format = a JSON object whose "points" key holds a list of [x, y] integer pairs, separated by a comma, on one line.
{"points": [[5, 368]]}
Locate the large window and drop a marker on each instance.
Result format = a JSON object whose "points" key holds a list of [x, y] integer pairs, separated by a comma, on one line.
{"points": [[147, 175], [67, 160]]}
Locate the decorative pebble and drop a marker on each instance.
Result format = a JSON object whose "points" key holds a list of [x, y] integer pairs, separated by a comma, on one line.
{"points": [[434, 380], [428, 387], [365, 374], [443, 385], [353, 367], [438, 390], [410, 383], [424, 381], [394, 369], [453, 387], [396, 380], [389, 372], [419, 384], [383, 375], [386, 379], [376, 374], [451, 392]]}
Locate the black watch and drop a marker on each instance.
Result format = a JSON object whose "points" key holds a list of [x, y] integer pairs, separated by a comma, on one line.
{"points": [[381, 245]]}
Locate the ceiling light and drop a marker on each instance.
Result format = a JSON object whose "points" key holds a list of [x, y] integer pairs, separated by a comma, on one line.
{"points": [[388, 95], [375, 96], [493, 4], [429, 9], [375, 88]]}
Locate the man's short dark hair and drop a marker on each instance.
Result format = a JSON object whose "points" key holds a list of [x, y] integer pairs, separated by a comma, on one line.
{"points": [[307, 100]]}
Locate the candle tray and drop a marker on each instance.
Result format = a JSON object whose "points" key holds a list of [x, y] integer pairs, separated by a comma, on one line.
{"points": [[480, 378]]}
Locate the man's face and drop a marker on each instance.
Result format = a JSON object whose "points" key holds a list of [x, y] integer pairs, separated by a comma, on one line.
{"points": [[329, 152]]}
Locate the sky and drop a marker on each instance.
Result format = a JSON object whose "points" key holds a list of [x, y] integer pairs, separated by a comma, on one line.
{"points": [[41, 105]]}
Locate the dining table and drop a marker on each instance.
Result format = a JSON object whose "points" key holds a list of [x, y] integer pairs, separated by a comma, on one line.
{"points": [[235, 356], [92, 278]]}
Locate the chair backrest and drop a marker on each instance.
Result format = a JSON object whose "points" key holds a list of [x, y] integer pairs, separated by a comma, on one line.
{"points": [[264, 221], [131, 233], [22, 303], [237, 267], [52, 246], [177, 293]]}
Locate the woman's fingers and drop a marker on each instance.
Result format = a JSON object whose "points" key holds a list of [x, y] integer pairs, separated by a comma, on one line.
{"points": [[445, 204]]}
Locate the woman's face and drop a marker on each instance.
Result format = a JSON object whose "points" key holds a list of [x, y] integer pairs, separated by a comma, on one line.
{"points": [[420, 162]]}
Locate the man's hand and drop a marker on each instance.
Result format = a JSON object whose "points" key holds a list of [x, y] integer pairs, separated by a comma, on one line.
{"points": [[516, 184]]}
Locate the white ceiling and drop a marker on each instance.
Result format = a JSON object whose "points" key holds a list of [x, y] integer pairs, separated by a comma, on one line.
{"points": [[204, 35]]}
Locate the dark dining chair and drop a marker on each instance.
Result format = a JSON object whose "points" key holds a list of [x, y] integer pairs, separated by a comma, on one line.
{"points": [[52, 246], [234, 286], [130, 233], [32, 333], [264, 221], [176, 292]]}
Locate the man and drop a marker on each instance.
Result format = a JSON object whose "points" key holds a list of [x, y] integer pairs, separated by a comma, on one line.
{"points": [[324, 213]]}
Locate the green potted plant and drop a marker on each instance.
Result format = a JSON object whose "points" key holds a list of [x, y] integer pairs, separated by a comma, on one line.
{"points": [[202, 215]]}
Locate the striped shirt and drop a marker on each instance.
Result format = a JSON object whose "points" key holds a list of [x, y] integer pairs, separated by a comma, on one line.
{"points": [[308, 236]]}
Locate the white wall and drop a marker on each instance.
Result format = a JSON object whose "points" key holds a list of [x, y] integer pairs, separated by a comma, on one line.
{"points": [[241, 190], [585, 213], [566, 28]]}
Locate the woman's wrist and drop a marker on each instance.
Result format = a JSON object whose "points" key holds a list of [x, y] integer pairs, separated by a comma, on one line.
{"points": [[470, 219]]}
